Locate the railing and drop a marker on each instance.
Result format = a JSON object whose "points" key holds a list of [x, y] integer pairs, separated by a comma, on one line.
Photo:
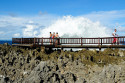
{"points": [[81, 41]]}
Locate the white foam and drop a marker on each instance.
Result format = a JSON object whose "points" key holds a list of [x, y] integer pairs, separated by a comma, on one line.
{"points": [[69, 26]]}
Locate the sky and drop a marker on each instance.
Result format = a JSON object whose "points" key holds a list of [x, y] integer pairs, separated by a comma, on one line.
{"points": [[59, 7], [28, 18]]}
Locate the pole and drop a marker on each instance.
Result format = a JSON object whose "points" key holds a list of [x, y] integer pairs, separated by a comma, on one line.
{"points": [[34, 40], [81, 41], [42, 40]]}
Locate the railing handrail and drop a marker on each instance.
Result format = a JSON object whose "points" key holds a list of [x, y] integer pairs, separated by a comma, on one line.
{"points": [[72, 37]]}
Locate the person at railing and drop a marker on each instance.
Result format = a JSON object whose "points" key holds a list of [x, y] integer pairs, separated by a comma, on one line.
{"points": [[51, 38], [115, 35], [57, 36]]}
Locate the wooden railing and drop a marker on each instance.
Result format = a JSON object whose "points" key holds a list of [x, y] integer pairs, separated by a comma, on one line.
{"points": [[81, 41]]}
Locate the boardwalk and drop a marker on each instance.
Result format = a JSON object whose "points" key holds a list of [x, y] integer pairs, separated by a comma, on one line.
{"points": [[104, 42]]}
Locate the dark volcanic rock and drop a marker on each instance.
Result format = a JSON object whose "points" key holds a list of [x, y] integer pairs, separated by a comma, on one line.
{"points": [[20, 65]]}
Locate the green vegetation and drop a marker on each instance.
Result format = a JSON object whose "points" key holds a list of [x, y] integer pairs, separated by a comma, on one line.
{"points": [[87, 57]]}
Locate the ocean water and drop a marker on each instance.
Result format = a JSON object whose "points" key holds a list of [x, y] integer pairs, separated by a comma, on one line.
{"points": [[6, 41]]}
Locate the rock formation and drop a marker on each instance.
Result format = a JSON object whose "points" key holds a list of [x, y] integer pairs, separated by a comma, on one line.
{"points": [[24, 65]]}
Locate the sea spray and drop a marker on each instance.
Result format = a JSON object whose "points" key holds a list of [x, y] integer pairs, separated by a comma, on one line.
{"points": [[69, 26]]}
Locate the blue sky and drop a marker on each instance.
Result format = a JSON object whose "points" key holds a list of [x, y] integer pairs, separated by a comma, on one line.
{"points": [[16, 14], [59, 7]]}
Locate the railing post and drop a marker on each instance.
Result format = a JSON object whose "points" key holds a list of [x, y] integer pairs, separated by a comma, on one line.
{"points": [[81, 41], [118, 40], [21, 40], [34, 40], [42, 40], [59, 41], [101, 41]]}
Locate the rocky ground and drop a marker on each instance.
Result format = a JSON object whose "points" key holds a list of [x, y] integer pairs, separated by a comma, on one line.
{"points": [[24, 65]]}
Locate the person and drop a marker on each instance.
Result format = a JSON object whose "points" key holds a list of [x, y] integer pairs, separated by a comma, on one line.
{"points": [[50, 38], [57, 36], [53, 37], [114, 35]]}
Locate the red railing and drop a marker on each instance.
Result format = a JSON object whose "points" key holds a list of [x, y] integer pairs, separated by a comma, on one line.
{"points": [[81, 41]]}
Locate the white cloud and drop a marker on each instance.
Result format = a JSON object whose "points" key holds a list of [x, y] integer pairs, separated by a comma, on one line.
{"points": [[121, 29], [29, 26], [107, 17], [31, 30], [16, 35], [31, 22], [8, 20], [35, 33], [2, 32]]}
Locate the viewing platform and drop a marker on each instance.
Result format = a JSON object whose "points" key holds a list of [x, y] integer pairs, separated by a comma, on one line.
{"points": [[100, 42]]}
